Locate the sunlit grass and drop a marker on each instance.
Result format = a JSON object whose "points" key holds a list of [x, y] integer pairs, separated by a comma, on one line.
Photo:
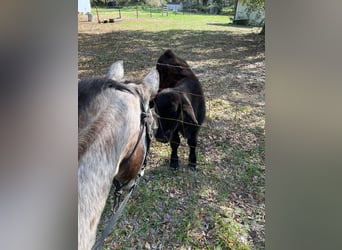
{"points": [[159, 22], [214, 207]]}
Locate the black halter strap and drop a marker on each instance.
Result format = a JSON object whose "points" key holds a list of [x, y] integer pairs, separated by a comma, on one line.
{"points": [[143, 124]]}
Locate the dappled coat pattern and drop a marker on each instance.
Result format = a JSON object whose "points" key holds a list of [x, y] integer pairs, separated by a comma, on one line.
{"points": [[109, 122]]}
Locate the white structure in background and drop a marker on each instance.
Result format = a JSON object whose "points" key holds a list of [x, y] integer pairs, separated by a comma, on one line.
{"points": [[84, 6], [175, 6], [243, 12]]}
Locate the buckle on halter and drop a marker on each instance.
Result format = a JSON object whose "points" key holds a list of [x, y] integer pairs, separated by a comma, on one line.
{"points": [[143, 117], [117, 196], [142, 172]]}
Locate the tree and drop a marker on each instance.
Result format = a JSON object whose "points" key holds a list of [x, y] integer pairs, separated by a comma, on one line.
{"points": [[257, 4], [262, 32], [261, 4]]}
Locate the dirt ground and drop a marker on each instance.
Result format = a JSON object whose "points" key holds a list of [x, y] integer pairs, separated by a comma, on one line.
{"points": [[222, 205]]}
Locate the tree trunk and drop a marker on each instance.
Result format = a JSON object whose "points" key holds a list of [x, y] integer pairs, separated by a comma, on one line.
{"points": [[262, 32]]}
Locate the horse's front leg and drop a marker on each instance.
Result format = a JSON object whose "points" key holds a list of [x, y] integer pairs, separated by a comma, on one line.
{"points": [[192, 143], [175, 141]]}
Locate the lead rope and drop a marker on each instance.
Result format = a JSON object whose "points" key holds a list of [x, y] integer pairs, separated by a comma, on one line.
{"points": [[115, 216]]}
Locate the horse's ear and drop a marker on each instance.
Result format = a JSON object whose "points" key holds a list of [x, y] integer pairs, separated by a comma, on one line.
{"points": [[188, 111], [151, 82], [169, 53], [116, 71]]}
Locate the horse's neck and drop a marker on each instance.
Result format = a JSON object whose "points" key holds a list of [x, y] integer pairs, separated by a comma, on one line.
{"points": [[100, 162], [111, 129]]}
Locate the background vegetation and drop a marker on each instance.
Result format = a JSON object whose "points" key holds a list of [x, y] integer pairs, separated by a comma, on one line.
{"points": [[200, 6]]}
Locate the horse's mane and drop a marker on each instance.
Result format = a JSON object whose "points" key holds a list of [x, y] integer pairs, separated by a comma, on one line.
{"points": [[88, 89]]}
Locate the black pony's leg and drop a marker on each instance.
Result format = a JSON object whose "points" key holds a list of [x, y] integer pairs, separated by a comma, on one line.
{"points": [[192, 143], [175, 141]]}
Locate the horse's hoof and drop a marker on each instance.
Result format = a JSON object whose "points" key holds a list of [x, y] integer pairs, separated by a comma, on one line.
{"points": [[192, 166], [174, 165]]}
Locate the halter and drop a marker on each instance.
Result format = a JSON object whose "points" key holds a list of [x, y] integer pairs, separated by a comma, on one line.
{"points": [[143, 124], [118, 187]]}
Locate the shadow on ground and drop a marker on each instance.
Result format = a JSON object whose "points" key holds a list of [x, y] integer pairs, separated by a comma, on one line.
{"points": [[221, 205]]}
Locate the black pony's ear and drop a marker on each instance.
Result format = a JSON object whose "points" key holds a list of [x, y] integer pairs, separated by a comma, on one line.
{"points": [[187, 109], [169, 53]]}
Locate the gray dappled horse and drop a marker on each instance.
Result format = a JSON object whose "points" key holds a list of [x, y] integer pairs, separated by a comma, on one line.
{"points": [[111, 141]]}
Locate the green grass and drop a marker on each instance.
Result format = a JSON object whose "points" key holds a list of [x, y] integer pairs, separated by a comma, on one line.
{"points": [[230, 234], [217, 206], [172, 21]]}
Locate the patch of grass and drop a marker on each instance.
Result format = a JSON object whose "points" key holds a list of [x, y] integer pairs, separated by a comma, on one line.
{"points": [[214, 207], [162, 22], [161, 150], [252, 176], [230, 234], [251, 172]]}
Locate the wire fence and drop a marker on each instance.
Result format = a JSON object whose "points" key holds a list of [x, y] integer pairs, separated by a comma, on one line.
{"points": [[207, 96], [213, 123], [138, 11]]}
